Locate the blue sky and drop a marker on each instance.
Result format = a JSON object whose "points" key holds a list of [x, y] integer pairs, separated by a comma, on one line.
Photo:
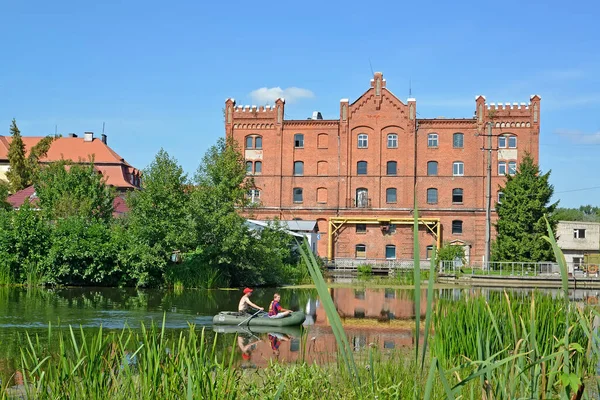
{"points": [[158, 73]]}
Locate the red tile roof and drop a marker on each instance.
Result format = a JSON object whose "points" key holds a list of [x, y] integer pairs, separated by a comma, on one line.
{"points": [[117, 171], [17, 199]]}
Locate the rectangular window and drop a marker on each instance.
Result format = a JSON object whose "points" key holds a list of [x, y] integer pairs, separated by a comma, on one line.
{"points": [[249, 142], [258, 167], [512, 142], [457, 227], [299, 140], [432, 140], [361, 168], [432, 168], [512, 167], [502, 168], [390, 195], [458, 140], [390, 252], [363, 141], [258, 142], [500, 197], [432, 196], [392, 167], [457, 195], [502, 142], [298, 168], [578, 233], [361, 228], [297, 195], [392, 142], [458, 169], [429, 252], [361, 251]]}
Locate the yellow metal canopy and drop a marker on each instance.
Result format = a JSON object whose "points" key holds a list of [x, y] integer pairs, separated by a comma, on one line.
{"points": [[335, 223]]}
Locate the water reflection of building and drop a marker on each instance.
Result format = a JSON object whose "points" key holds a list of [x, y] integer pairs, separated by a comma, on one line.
{"points": [[383, 304]]}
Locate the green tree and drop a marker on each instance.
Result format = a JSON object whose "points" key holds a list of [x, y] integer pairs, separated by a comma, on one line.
{"points": [[158, 221], [66, 189], [18, 174], [4, 191], [221, 233], [24, 169], [520, 227]]}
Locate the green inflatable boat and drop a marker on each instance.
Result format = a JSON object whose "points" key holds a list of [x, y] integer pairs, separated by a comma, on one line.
{"points": [[294, 331], [262, 319]]}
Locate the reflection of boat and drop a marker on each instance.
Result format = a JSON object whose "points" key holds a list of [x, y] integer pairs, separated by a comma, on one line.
{"points": [[233, 318], [294, 331]]}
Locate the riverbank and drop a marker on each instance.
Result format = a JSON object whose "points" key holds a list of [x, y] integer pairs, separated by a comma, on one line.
{"points": [[517, 281]]}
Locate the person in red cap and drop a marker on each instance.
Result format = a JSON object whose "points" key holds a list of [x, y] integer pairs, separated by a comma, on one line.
{"points": [[245, 302]]}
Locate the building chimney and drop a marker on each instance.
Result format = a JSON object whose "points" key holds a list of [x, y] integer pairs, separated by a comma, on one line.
{"points": [[103, 138], [88, 136]]}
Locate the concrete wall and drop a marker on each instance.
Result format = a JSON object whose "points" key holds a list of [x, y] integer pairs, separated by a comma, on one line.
{"points": [[578, 247]]}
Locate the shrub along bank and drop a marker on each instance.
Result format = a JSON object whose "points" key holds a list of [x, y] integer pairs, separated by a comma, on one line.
{"points": [[70, 237]]}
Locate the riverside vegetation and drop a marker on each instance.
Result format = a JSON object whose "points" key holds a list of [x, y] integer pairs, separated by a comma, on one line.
{"points": [[540, 348], [178, 231]]}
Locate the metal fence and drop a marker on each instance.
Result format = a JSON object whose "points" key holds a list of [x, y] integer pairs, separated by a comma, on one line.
{"points": [[526, 269], [518, 269], [377, 264]]}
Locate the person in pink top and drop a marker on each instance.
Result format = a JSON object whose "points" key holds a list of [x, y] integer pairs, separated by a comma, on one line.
{"points": [[275, 309]]}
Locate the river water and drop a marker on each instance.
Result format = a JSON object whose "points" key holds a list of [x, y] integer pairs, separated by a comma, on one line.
{"points": [[382, 317]]}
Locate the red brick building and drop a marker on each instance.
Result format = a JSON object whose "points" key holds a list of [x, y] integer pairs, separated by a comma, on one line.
{"points": [[357, 175]]}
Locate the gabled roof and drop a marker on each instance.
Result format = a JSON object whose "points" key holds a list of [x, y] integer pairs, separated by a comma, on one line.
{"points": [[67, 148], [117, 171]]}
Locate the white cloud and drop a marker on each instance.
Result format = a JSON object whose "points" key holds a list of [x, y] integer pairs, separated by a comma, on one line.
{"points": [[579, 136], [269, 95]]}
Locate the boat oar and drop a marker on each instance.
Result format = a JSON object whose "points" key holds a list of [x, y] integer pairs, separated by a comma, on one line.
{"points": [[249, 318]]}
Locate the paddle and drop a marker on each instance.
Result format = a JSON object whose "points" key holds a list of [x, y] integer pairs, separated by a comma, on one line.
{"points": [[249, 318]]}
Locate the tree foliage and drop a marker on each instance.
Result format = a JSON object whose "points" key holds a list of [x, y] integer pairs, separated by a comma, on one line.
{"points": [[4, 191], [18, 173], [66, 189], [71, 237], [587, 213], [24, 168], [520, 227]]}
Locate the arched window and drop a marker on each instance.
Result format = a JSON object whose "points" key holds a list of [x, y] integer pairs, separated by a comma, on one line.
{"points": [[432, 168], [457, 227], [258, 142], [258, 167], [501, 167], [361, 168], [363, 141], [298, 195], [390, 252], [512, 167], [392, 141], [432, 140], [392, 167], [362, 198], [248, 167], [322, 141], [360, 251], [321, 195], [432, 196], [458, 168], [458, 140], [457, 195], [298, 168], [299, 141], [249, 142], [390, 195], [322, 168]]}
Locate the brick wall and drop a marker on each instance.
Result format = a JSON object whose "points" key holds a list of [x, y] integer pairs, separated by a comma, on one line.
{"points": [[332, 149]]}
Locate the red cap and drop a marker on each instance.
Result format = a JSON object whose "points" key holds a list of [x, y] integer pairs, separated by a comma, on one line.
{"points": [[247, 290], [246, 356]]}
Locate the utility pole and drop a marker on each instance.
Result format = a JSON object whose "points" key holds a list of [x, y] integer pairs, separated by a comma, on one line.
{"points": [[488, 197]]}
